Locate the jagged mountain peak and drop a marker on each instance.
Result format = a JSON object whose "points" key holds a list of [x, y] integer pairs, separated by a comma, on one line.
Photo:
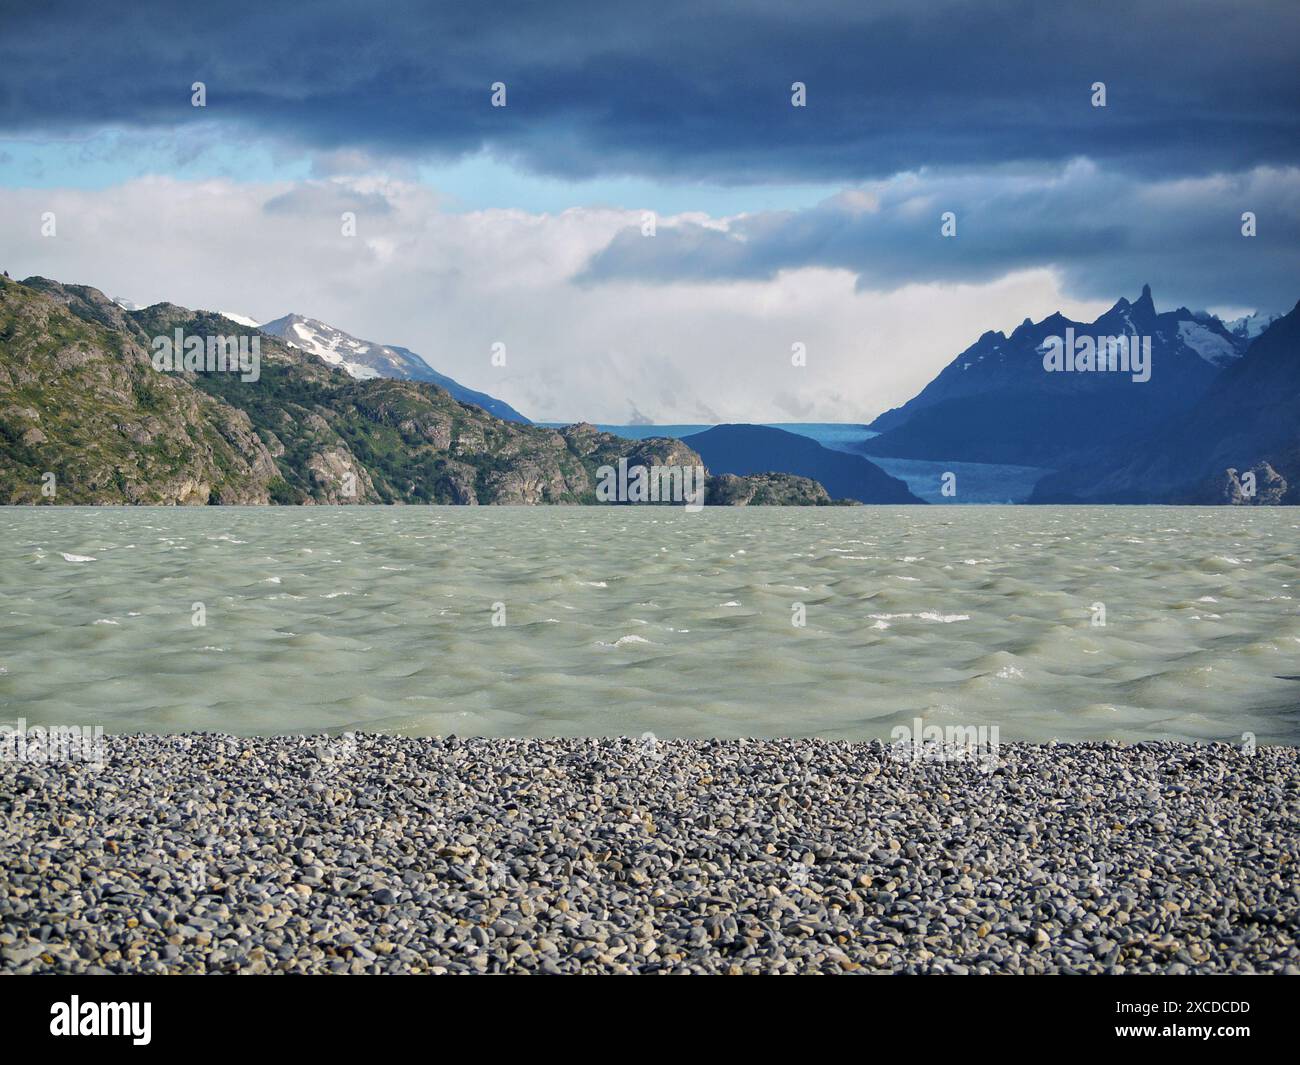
{"points": [[1143, 307], [1246, 420], [998, 402]]}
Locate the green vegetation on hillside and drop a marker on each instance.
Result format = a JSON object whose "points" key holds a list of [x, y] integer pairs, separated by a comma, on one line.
{"points": [[79, 397]]}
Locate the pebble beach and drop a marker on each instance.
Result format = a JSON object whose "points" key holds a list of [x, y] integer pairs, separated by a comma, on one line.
{"points": [[380, 854]]}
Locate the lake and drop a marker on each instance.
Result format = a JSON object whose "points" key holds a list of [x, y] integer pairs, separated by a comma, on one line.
{"points": [[623, 620]]}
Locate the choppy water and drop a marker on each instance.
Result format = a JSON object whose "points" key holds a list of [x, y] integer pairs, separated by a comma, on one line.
{"points": [[625, 620]]}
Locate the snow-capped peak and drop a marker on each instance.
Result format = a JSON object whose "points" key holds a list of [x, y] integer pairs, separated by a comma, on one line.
{"points": [[327, 343], [239, 319], [126, 305], [1250, 326], [365, 359]]}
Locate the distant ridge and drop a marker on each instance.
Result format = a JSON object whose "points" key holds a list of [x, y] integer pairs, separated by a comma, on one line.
{"points": [[749, 449]]}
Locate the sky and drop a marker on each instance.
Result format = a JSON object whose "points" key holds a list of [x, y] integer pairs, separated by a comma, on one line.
{"points": [[649, 224]]}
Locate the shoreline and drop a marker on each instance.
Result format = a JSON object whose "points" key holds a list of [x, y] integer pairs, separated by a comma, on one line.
{"points": [[210, 853]]}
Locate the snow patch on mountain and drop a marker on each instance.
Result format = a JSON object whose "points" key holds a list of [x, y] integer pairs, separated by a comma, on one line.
{"points": [[1251, 325], [366, 360], [239, 319], [327, 343], [1212, 347]]}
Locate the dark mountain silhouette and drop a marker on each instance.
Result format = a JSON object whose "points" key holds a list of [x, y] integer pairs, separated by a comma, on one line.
{"points": [[996, 403], [751, 449], [1248, 421]]}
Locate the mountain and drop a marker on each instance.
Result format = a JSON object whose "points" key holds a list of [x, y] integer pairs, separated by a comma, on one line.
{"points": [[80, 399], [751, 449], [1247, 421], [364, 359], [997, 403], [1251, 326]]}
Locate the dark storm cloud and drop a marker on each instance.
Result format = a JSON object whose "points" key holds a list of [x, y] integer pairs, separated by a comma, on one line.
{"points": [[668, 90], [1106, 233]]}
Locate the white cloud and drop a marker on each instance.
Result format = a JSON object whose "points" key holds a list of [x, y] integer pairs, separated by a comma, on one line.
{"points": [[449, 285]]}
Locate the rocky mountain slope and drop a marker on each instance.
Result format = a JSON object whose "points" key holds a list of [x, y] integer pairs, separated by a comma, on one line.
{"points": [[80, 399], [364, 359]]}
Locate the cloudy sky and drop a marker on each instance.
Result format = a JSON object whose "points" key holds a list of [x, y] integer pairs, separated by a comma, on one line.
{"points": [[773, 225]]}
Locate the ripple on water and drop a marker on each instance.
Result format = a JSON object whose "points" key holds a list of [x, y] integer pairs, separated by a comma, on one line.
{"points": [[622, 622]]}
